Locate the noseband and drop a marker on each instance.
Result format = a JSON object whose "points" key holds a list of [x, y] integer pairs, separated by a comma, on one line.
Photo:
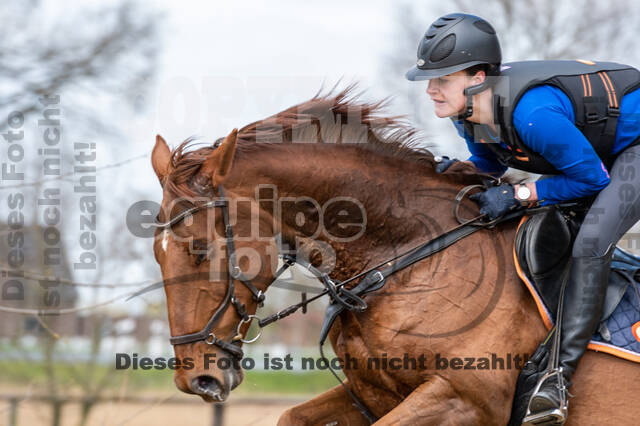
{"points": [[206, 334], [341, 298], [337, 293]]}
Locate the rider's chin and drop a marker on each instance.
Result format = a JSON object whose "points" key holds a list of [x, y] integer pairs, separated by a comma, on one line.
{"points": [[443, 112], [441, 109]]}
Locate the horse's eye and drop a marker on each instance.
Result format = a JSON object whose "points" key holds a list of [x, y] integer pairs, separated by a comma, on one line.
{"points": [[201, 258], [200, 246]]}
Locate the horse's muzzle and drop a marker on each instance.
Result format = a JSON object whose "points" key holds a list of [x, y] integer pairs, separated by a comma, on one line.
{"points": [[212, 390]]}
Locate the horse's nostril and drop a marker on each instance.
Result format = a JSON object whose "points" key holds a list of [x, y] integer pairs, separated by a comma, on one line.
{"points": [[208, 386], [205, 381]]}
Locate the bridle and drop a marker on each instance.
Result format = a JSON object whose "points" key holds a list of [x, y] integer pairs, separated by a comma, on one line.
{"points": [[341, 298], [337, 293], [206, 334]]}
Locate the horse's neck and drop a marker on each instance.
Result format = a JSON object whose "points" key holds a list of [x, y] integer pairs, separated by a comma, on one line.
{"points": [[403, 202]]}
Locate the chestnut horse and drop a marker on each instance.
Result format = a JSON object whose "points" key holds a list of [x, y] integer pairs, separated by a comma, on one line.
{"points": [[463, 309]]}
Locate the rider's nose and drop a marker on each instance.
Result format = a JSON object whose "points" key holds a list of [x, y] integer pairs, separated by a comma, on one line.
{"points": [[431, 90]]}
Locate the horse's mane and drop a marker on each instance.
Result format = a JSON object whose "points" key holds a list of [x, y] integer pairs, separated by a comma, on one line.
{"points": [[340, 118]]}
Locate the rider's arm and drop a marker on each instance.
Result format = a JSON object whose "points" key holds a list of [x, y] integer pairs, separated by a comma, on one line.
{"points": [[544, 120], [481, 157]]}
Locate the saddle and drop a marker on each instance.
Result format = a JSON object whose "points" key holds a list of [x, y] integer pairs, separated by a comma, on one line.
{"points": [[542, 250]]}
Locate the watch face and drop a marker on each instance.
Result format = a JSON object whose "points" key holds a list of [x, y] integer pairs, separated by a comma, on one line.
{"points": [[524, 193]]}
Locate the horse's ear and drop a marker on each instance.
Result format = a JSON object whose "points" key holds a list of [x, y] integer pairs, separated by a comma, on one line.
{"points": [[228, 148], [218, 164], [161, 158]]}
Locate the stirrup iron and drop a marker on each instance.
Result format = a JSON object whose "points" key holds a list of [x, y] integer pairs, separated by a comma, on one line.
{"points": [[556, 416]]}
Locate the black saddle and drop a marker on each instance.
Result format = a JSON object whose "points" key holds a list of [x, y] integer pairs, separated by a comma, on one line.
{"points": [[542, 250]]}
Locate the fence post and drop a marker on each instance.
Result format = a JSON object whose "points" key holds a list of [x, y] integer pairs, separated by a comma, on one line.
{"points": [[218, 414], [57, 411], [13, 411]]}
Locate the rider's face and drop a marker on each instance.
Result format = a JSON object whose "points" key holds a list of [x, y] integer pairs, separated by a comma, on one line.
{"points": [[447, 93]]}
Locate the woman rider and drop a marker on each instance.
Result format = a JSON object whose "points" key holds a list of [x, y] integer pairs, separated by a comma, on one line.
{"points": [[577, 120]]}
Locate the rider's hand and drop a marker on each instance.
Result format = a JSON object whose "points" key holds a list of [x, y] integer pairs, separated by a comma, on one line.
{"points": [[496, 201], [444, 163]]}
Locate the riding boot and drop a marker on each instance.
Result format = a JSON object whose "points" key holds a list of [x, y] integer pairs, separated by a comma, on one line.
{"points": [[583, 303]]}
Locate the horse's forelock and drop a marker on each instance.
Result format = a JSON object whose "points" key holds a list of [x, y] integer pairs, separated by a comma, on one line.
{"points": [[185, 163]]}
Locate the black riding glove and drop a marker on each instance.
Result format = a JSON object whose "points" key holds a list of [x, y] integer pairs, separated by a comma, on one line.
{"points": [[444, 164], [496, 201]]}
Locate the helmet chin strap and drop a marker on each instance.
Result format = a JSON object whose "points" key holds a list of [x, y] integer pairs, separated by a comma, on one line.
{"points": [[470, 92]]}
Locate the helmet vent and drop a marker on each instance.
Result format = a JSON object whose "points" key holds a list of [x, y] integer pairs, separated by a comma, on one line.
{"points": [[484, 26], [443, 49]]}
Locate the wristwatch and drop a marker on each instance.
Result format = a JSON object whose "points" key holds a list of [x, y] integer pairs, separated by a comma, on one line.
{"points": [[523, 193]]}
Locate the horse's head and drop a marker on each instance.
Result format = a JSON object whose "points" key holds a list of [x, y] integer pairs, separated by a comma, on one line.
{"points": [[215, 252]]}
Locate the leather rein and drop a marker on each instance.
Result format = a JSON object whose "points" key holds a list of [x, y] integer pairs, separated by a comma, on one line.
{"points": [[341, 298]]}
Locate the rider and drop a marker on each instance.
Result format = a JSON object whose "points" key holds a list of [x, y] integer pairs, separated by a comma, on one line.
{"points": [[578, 120]]}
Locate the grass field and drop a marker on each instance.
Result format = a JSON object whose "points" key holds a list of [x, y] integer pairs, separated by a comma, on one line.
{"points": [[30, 378], [79, 375]]}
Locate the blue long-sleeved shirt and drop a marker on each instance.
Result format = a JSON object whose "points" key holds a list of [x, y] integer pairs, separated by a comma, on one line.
{"points": [[545, 121]]}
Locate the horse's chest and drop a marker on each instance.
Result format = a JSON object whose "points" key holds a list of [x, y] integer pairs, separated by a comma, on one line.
{"points": [[369, 357]]}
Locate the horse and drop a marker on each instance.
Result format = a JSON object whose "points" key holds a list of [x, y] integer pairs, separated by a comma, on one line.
{"points": [[340, 177]]}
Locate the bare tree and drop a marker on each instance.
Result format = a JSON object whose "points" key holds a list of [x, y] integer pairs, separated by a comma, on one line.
{"points": [[94, 57], [106, 52], [549, 29]]}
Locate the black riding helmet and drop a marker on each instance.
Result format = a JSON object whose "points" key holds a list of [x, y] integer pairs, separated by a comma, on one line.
{"points": [[455, 42]]}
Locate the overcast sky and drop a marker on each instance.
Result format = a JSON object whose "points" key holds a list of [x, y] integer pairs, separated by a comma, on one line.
{"points": [[226, 64]]}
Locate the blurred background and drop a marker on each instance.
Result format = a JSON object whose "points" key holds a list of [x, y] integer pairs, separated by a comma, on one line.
{"points": [[84, 89]]}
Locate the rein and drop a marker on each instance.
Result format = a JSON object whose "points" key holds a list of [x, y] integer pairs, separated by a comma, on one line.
{"points": [[341, 298]]}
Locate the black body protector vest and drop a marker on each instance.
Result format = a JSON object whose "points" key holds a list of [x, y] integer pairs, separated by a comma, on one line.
{"points": [[594, 88]]}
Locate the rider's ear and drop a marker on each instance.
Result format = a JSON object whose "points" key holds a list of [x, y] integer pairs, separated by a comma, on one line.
{"points": [[479, 77], [218, 165], [161, 158]]}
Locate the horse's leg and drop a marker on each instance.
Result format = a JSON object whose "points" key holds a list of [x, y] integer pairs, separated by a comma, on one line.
{"points": [[334, 407], [436, 402]]}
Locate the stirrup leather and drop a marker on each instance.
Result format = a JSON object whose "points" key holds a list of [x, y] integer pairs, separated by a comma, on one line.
{"points": [[556, 416]]}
